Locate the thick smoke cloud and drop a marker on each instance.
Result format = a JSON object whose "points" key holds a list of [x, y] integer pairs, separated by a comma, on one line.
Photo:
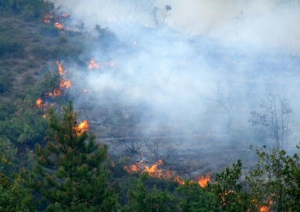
{"points": [[197, 69]]}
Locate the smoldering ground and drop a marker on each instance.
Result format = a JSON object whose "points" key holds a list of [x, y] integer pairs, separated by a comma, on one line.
{"points": [[189, 74]]}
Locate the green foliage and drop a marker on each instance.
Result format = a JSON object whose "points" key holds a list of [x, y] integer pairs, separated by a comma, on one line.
{"points": [[9, 46], [28, 8], [149, 198], [13, 197], [49, 31], [70, 172], [25, 126], [8, 155], [194, 198], [228, 189], [275, 179], [5, 82]]}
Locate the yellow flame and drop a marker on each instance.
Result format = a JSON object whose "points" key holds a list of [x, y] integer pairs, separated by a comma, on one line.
{"points": [[204, 180], [82, 127]]}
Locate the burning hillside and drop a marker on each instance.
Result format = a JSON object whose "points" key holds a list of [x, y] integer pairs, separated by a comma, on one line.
{"points": [[151, 88]]}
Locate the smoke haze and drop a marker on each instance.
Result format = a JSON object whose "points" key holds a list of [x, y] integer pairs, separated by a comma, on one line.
{"points": [[195, 68]]}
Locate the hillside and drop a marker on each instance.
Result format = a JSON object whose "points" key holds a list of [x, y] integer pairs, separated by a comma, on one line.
{"points": [[170, 106]]}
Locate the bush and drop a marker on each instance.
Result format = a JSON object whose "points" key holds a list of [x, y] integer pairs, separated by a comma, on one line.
{"points": [[5, 82], [10, 46]]}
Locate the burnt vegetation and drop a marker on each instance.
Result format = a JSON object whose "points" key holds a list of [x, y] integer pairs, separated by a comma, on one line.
{"points": [[47, 164]]}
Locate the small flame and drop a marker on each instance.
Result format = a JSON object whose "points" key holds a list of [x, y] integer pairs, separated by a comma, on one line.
{"points": [[66, 15], [179, 180], [59, 25], [65, 84], [61, 69], [93, 64], [48, 18], [56, 92], [82, 127], [132, 168], [264, 209], [204, 180], [39, 102]]}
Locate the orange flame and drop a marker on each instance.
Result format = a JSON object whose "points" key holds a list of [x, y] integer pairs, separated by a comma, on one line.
{"points": [[59, 25], [61, 69], [82, 127], [264, 209], [93, 64], [204, 180], [39, 102], [65, 84]]}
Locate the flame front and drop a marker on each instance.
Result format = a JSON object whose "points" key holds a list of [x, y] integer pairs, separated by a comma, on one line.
{"points": [[204, 180], [82, 127]]}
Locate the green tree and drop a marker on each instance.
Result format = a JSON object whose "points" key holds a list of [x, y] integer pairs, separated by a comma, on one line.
{"points": [[150, 195], [229, 190], [195, 198], [13, 197], [69, 171], [274, 182]]}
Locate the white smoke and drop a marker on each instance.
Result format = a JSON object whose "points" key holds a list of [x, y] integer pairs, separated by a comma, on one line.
{"points": [[200, 67]]}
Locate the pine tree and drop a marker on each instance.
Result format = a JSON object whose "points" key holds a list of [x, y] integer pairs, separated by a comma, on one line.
{"points": [[69, 171]]}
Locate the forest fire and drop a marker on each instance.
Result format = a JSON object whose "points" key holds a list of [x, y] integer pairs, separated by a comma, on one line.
{"points": [[93, 64], [82, 127], [59, 25], [39, 102], [204, 180]]}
